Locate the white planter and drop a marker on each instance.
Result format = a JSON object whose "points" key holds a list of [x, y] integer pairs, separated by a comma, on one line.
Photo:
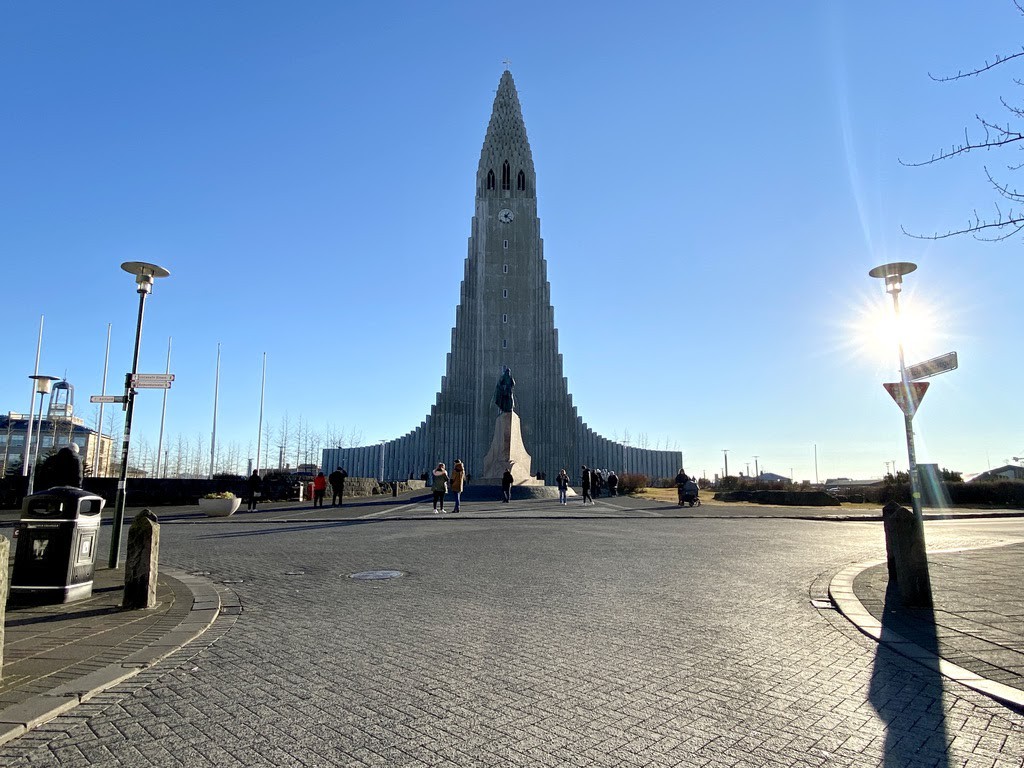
{"points": [[219, 507]]}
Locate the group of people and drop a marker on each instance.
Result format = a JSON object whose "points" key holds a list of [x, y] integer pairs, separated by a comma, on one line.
{"points": [[591, 483], [337, 482], [442, 482]]}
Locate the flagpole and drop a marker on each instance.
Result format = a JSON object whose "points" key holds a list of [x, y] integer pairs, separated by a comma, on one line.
{"points": [[216, 393], [163, 414]]}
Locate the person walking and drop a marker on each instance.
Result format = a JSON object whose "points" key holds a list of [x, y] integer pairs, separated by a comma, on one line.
{"points": [[319, 489], [458, 481], [563, 486], [613, 483], [585, 480], [255, 489], [681, 480], [337, 481], [440, 487], [506, 486]]}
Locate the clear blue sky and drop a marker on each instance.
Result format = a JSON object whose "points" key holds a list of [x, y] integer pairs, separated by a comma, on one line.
{"points": [[714, 183]]}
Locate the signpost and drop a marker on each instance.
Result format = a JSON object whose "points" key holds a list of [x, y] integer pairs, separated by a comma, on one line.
{"points": [[933, 367], [107, 399], [152, 380]]}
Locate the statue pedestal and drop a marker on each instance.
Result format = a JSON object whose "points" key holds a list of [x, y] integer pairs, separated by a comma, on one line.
{"points": [[507, 449]]}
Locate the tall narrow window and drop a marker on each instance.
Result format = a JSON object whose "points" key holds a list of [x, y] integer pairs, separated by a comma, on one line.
{"points": [[490, 179], [504, 293], [504, 318], [521, 181], [504, 343], [506, 243], [504, 268], [506, 176]]}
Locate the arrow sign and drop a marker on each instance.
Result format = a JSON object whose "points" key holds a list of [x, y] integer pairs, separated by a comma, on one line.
{"points": [[107, 399], [152, 380], [933, 367], [907, 398]]}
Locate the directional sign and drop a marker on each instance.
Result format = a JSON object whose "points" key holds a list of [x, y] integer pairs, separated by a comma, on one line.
{"points": [[933, 367], [107, 399], [907, 399], [152, 380]]}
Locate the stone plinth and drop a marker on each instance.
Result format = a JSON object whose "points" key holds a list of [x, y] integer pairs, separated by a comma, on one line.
{"points": [[142, 565], [507, 450]]}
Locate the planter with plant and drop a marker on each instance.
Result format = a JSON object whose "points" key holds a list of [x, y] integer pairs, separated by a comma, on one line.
{"points": [[219, 504]]}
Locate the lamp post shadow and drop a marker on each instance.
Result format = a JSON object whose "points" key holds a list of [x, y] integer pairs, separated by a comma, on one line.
{"points": [[908, 696]]}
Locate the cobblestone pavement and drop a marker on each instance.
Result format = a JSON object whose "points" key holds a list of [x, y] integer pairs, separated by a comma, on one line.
{"points": [[618, 642]]}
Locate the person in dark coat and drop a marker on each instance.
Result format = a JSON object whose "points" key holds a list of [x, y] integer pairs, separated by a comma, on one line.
{"points": [[337, 481], [681, 480], [506, 486], [585, 480], [255, 489], [613, 483], [65, 468]]}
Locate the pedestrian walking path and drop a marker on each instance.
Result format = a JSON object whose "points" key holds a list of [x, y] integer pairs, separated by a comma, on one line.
{"points": [[974, 633], [57, 656]]}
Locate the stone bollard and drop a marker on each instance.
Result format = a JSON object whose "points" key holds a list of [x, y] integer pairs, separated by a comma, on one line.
{"points": [[906, 556], [5, 554], [140, 568]]}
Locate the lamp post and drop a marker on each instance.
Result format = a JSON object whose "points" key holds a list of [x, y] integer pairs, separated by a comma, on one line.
{"points": [[915, 562], [893, 275], [144, 276], [725, 454], [43, 384]]}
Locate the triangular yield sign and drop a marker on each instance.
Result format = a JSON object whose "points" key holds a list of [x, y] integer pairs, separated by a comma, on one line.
{"points": [[907, 397]]}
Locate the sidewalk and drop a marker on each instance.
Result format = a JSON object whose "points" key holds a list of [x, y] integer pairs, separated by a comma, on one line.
{"points": [[974, 633], [57, 656]]}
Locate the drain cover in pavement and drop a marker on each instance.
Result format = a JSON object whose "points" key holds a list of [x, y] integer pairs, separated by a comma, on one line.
{"points": [[375, 575]]}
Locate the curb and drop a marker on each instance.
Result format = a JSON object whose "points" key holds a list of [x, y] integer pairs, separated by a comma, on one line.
{"points": [[26, 715], [840, 590]]}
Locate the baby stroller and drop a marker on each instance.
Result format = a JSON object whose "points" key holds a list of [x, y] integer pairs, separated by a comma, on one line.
{"points": [[689, 494]]}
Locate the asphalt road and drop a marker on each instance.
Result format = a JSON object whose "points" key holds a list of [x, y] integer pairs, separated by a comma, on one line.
{"points": [[532, 641]]}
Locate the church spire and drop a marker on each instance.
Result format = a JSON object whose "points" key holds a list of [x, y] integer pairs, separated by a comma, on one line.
{"points": [[506, 163]]}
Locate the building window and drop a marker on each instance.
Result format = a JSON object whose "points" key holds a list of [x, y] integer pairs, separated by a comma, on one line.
{"points": [[504, 293], [506, 176], [504, 343], [504, 268], [521, 181], [490, 179], [506, 243], [504, 318]]}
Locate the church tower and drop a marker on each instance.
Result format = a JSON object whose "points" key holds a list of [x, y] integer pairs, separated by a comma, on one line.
{"points": [[504, 318]]}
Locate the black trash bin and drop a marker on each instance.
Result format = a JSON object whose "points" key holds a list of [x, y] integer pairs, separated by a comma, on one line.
{"points": [[55, 546]]}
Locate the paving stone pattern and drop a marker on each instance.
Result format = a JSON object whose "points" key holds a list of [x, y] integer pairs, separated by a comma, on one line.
{"points": [[976, 624], [638, 642]]}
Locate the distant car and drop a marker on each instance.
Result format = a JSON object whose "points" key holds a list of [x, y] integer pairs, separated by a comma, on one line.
{"points": [[833, 489], [280, 486]]}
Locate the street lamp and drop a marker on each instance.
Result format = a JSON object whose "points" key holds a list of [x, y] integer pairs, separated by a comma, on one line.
{"points": [[893, 275], [145, 274], [43, 384], [918, 591]]}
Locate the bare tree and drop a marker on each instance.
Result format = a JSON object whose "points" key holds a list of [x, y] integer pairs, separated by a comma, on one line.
{"points": [[989, 135]]}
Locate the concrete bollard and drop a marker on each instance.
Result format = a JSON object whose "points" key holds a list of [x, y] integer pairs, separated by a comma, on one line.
{"points": [[140, 568], [906, 557], [5, 555]]}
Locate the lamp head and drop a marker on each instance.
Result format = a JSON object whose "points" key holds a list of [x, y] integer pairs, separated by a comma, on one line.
{"points": [[144, 273], [43, 383], [893, 274]]}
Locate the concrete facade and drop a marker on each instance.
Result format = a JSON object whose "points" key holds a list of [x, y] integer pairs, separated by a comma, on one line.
{"points": [[504, 317]]}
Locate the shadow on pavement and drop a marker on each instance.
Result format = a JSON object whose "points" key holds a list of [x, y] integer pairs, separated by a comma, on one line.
{"points": [[914, 715], [287, 528]]}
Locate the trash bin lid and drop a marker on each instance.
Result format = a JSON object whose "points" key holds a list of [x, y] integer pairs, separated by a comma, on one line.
{"points": [[63, 502]]}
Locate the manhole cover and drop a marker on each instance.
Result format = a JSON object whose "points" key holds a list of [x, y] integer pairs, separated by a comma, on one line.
{"points": [[375, 575]]}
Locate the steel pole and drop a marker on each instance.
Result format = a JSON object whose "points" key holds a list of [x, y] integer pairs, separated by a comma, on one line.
{"points": [[115, 533], [163, 415], [39, 439], [32, 405], [216, 392], [908, 421]]}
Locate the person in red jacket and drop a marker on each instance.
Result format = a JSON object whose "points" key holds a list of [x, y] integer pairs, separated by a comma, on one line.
{"points": [[319, 488]]}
